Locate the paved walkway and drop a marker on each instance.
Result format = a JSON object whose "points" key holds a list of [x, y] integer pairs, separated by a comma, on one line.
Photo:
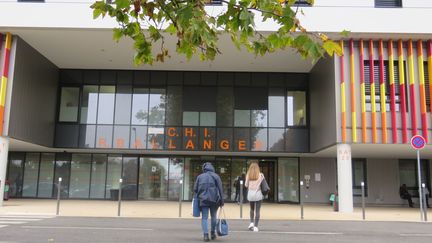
{"points": [[164, 209]]}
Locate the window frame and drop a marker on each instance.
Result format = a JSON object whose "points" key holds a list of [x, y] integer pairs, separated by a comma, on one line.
{"points": [[355, 186]]}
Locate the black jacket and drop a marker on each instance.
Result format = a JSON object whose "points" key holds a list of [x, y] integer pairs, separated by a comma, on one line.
{"points": [[208, 187]]}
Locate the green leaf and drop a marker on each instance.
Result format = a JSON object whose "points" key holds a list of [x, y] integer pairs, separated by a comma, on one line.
{"points": [[332, 47], [171, 29], [117, 34], [122, 3], [345, 33], [96, 13]]}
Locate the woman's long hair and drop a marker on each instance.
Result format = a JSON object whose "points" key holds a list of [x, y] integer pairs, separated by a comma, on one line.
{"points": [[253, 171]]}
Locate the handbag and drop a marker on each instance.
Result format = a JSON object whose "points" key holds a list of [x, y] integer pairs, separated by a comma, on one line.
{"points": [[196, 212], [222, 224], [264, 187]]}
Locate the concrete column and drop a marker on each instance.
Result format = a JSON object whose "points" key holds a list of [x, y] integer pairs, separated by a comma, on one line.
{"points": [[4, 149], [344, 170]]}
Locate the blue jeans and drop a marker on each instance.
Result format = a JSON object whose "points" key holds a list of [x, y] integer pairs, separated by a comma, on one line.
{"points": [[204, 223]]}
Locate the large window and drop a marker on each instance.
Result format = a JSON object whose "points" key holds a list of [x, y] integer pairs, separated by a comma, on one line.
{"points": [[408, 174], [31, 169], [368, 92], [183, 111], [359, 175], [80, 176], [388, 3], [69, 104]]}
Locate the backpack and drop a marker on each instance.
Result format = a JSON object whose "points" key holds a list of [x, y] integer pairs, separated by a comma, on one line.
{"points": [[264, 187]]}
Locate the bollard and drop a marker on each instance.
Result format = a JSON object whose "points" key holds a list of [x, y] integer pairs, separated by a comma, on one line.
{"points": [[241, 199], [119, 196], [363, 200], [301, 201], [180, 198], [58, 195], [424, 203]]}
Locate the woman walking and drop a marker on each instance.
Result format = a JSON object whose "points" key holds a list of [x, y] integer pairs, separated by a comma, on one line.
{"points": [[253, 182], [208, 190]]}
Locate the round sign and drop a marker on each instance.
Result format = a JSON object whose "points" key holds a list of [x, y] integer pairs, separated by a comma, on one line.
{"points": [[418, 142]]}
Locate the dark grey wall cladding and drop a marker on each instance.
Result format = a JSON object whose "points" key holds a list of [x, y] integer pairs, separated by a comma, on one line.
{"points": [[34, 94], [322, 105]]}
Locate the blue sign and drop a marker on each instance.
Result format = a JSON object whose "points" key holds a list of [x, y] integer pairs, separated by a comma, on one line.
{"points": [[418, 142]]}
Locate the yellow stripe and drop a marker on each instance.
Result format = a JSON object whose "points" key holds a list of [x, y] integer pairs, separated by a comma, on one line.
{"points": [[420, 69], [411, 68], [3, 91], [401, 70], [354, 126], [391, 69], [8, 40], [343, 107], [363, 97], [383, 99], [373, 100]]}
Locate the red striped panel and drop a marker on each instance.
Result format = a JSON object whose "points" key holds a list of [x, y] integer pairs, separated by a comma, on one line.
{"points": [[363, 95], [382, 93], [411, 89], [392, 91], [372, 88], [402, 92], [422, 89]]}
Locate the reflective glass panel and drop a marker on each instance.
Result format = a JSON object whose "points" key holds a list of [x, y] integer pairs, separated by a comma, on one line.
{"points": [[259, 118], [46, 175], [69, 104], [130, 174], [276, 102], [89, 104], [296, 108], [140, 106], [121, 136], [225, 106], [190, 118], [98, 176], [175, 175], [123, 105], [138, 137], [174, 106], [259, 139], [153, 178], [31, 169], [62, 169], [80, 176], [15, 174], [113, 176], [104, 137], [87, 136], [155, 138], [157, 107], [106, 104], [276, 140], [242, 118], [288, 187], [207, 119]]}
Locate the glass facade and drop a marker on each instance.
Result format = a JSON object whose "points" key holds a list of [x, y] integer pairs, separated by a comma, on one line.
{"points": [[96, 176], [154, 111]]}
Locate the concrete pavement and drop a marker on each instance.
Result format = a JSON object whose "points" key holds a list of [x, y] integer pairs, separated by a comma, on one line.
{"points": [[165, 209]]}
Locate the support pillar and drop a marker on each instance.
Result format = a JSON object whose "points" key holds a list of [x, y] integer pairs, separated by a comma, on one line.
{"points": [[4, 150], [344, 170]]}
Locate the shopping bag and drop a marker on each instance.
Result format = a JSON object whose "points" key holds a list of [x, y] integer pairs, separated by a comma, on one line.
{"points": [[222, 224], [196, 212]]}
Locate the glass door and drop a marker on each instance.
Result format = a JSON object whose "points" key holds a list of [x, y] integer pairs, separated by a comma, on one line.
{"points": [[267, 167], [288, 178]]}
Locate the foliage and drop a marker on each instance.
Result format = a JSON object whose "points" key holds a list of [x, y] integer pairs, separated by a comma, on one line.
{"points": [[149, 22]]}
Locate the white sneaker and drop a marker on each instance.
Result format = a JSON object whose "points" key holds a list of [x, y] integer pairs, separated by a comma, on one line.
{"points": [[255, 229], [251, 226]]}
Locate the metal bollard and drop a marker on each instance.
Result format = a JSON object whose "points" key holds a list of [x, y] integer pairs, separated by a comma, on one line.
{"points": [[301, 201], [119, 196], [424, 203], [58, 195], [241, 199], [180, 198], [363, 200]]}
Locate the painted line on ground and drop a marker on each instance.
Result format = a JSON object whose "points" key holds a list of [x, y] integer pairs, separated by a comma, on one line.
{"points": [[417, 235], [18, 219], [12, 222], [27, 216], [84, 228], [290, 232], [2, 226]]}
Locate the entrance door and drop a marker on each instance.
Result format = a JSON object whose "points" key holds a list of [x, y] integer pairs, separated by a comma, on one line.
{"points": [[267, 167]]}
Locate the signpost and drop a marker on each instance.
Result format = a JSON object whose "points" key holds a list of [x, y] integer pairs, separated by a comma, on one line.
{"points": [[418, 142]]}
